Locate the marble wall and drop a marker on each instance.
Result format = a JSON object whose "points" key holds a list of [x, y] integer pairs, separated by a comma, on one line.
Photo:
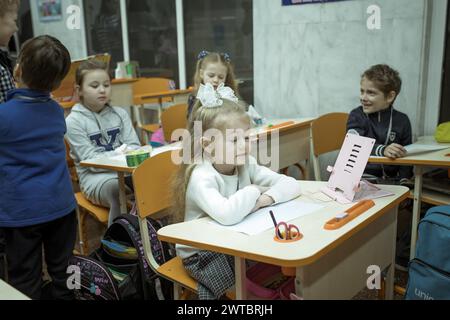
{"points": [[74, 40], [308, 58]]}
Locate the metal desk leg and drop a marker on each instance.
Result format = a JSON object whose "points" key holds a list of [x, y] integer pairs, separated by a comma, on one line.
{"points": [[416, 209], [122, 193], [240, 271], [390, 275]]}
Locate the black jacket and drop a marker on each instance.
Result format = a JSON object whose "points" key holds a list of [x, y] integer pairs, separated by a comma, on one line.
{"points": [[376, 126]]}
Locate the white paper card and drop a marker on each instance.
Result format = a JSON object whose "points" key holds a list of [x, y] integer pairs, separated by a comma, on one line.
{"points": [[261, 221], [423, 148]]}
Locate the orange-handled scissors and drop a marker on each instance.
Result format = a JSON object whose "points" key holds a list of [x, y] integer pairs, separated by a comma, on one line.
{"points": [[285, 231]]}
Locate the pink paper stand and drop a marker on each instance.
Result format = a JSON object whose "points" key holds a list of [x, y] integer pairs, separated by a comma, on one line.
{"points": [[346, 174]]}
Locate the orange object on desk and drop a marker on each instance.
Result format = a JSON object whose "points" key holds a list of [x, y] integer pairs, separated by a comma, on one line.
{"points": [[350, 214]]}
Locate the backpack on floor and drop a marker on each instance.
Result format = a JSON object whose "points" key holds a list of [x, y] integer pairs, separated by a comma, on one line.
{"points": [[429, 271], [118, 270]]}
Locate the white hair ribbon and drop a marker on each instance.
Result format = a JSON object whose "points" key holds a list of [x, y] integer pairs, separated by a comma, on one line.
{"points": [[211, 98]]}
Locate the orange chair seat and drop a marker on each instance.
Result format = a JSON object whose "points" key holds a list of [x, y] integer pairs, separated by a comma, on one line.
{"points": [[174, 270], [99, 213]]}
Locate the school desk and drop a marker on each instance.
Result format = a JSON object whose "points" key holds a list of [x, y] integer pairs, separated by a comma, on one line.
{"points": [[120, 166], [9, 293], [420, 161], [179, 96], [294, 140], [329, 264], [176, 96]]}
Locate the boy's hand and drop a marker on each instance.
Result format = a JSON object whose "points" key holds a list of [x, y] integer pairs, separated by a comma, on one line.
{"points": [[394, 151], [263, 201]]}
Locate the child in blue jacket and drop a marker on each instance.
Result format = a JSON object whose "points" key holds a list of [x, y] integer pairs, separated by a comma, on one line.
{"points": [[37, 204]]}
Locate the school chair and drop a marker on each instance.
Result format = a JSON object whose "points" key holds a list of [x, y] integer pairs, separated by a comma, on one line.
{"points": [[84, 206], [147, 86], [327, 134], [152, 190], [172, 119]]}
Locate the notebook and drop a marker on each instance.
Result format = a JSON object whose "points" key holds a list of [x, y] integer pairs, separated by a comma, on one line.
{"points": [[417, 148]]}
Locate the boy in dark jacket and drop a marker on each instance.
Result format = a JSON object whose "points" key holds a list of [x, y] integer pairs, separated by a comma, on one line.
{"points": [[37, 204], [376, 118]]}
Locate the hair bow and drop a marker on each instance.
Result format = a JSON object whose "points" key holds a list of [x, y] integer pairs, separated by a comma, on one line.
{"points": [[204, 53], [211, 98]]}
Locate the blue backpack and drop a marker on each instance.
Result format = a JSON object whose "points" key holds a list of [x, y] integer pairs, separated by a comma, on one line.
{"points": [[429, 271]]}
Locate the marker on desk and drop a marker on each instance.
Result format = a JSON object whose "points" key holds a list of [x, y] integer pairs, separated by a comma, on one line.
{"points": [[273, 218], [275, 223]]}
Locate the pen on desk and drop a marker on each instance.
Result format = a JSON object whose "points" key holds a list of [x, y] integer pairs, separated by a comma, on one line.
{"points": [[273, 218]]}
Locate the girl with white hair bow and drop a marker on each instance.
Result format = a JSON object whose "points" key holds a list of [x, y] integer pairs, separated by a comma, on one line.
{"points": [[226, 184]]}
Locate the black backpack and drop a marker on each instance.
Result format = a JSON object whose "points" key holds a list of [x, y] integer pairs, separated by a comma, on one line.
{"points": [[110, 274]]}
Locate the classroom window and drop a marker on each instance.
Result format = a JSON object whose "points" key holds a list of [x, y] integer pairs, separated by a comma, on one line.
{"points": [[104, 29], [152, 34], [222, 26]]}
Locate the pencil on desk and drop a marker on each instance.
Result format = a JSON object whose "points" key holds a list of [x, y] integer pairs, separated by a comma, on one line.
{"points": [[273, 218]]}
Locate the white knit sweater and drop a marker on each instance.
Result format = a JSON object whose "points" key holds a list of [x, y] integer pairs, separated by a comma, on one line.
{"points": [[229, 199]]}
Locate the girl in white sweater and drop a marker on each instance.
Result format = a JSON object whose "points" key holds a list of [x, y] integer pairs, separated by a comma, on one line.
{"points": [[226, 185]]}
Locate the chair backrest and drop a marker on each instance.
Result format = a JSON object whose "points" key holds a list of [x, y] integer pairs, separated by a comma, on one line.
{"points": [[151, 182], [327, 134], [172, 119], [150, 85]]}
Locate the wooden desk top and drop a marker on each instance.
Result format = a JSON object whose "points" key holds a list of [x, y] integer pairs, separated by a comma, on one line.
{"points": [[439, 158], [316, 240], [298, 123], [163, 94], [123, 81], [119, 163]]}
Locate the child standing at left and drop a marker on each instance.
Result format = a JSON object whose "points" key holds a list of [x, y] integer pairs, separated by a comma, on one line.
{"points": [[8, 26], [37, 204]]}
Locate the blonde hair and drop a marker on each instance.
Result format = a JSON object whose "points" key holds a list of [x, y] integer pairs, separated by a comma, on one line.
{"points": [[222, 118], [214, 57]]}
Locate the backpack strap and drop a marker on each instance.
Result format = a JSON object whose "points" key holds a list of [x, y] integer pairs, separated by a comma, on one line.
{"points": [[130, 224]]}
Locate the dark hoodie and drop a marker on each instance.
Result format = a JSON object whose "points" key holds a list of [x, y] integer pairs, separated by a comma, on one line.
{"points": [[376, 126]]}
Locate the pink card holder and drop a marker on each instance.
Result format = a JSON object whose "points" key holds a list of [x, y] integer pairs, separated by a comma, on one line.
{"points": [[346, 174]]}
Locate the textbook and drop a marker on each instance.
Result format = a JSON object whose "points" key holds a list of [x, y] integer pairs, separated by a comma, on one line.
{"points": [[66, 91]]}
